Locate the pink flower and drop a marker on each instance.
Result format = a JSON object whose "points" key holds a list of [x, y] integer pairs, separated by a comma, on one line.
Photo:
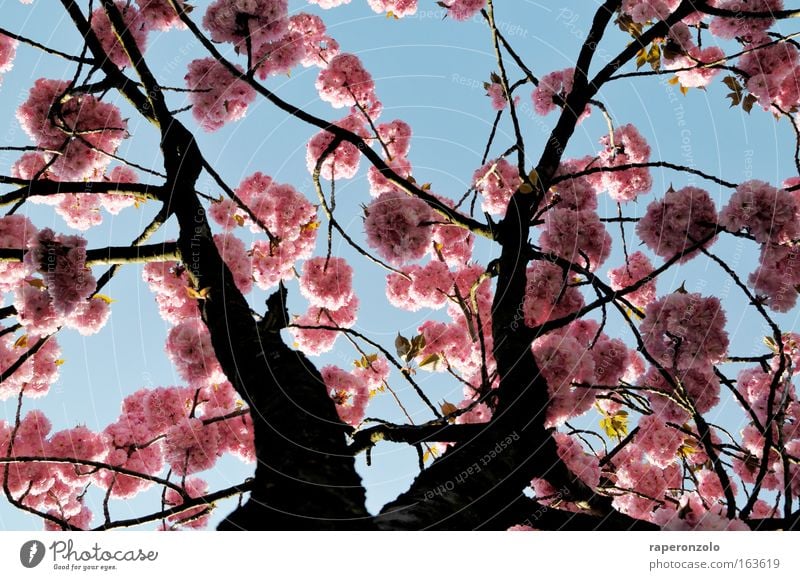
{"points": [[318, 48], [345, 82], [577, 236], [396, 135], [159, 14], [217, 96], [196, 517], [8, 49], [348, 391], [684, 330], [398, 8], [234, 20], [232, 251], [694, 59], [83, 130], [642, 11], [398, 227], [635, 269], [462, 9], [629, 148], [547, 294], [677, 222], [192, 446], [190, 350], [731, 26], [777, 276], [769, 214], [553, 90], [327, 283], [342, 162], [314, 340], [496, 182], [112, 47], [62, 263]]}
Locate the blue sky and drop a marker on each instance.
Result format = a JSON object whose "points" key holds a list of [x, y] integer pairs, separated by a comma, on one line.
{"points": [[430, 72]]}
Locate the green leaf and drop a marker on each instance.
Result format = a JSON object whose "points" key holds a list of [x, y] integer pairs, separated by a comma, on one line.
{"points": [[402, 345], [431, 362]]}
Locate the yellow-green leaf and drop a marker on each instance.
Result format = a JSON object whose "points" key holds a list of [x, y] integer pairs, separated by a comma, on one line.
{"points": [[615, 425], [104, 298]]}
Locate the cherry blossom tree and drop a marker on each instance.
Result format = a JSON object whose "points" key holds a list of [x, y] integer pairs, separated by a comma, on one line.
{"points": [[563, 424]]}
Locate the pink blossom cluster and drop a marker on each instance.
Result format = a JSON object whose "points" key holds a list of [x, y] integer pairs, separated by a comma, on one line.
{"points": [[577, 236], [755, 386], [8, 49], [288, 216], [82, 128], [693, 513], [693, 58], [232, 251], [658, 441], [190, 350], [170, 283], [677, 222], [318, 48], [159, 14], [497, 96], [426, 286], [380, 183], [16, 231], [327, 282], [342, 162], [449, 340], [217, 96], [769, 214], [771, 71], [576, 193], [175, 425], [398, 227], [114, 203], [548, 294], [552, 92], [735, 26], [684, 330], [700, 385], [635, 269], [748, 467], [777, 277], [398, 8], [261, 21], [451, 242], [463, 9], [35, 375], [62, 262], [650, 482], [563, 360], [314, 331], [580, 353], [112, 46], [629, 147], [350, 392], [346, 83], [57, 489], [643, 11], [374, 374], [496, 182], [584, 465], [196, 517], [396, 136]]}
